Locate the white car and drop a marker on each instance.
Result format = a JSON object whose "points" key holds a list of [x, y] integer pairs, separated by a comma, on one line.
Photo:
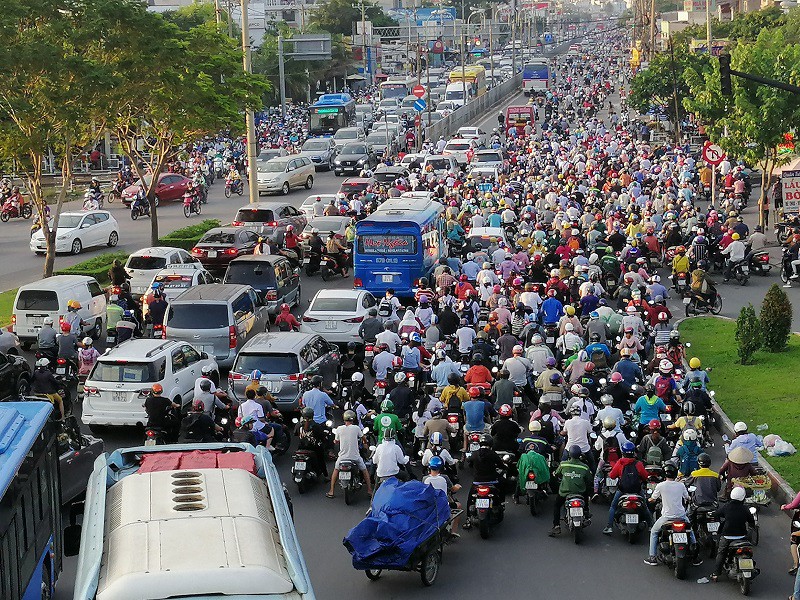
{"points": [[143, 265], [445, 107], [472, 133], [122, 378], [307, 207], [460, 149], [336, 315], [79, 230], [484, 236], [487, 158]]}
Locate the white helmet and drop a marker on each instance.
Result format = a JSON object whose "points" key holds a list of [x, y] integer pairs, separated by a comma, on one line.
{"points": [[607, 399], [738, 493], [400, 377], [357, 377], [43, 362], [690, 435], [87, 341], [47, 321], [740, 427]]}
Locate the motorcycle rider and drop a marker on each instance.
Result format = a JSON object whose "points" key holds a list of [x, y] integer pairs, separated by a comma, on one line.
{"points": [[161, 412], [673, 495], [631, 475], [649, 406], [317, 400], [386, 420], [311, 436], [349, 436], [576, 479], [532, 460], [388, 458], [337, 251], [403, 397], [654, 439], [87, 357], [441, 481], [703, 286], [197, 426], [286, 321], [747, 440], [505, 430], [487, 466], [706, 483], [735, 516], [45, 383], [46, 339]]}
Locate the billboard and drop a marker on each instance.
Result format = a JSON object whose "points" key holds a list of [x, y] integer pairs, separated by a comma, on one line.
{"points": [[790, 187]]}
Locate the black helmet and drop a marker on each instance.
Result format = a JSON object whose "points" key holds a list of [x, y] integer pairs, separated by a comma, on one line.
{"points": [[704, 460], [205, 385], [423, 282], [262, 391], [316, 381], [373, 312], [486, 441], [575, 451], [307, 413], [453, 379], [650, 388], [670, 471], [351, 346], [595, 337], [477, 358]]}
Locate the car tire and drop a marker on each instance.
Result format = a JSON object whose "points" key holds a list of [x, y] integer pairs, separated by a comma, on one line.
{"points": [[23, 386], [113, 239], [76, 247], [26, 346], [285, 189], [309, 182]]}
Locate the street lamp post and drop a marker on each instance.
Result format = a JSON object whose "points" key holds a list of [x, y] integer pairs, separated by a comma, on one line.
{"points": [[475, 11]]}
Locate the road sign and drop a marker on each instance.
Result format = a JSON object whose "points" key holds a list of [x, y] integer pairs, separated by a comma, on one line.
{"points": [[418, 91], [713, 154], [419, 105], [417, 121]]}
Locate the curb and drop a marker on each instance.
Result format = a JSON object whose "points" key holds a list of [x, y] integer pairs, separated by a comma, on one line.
{"points": [[780, 489]]}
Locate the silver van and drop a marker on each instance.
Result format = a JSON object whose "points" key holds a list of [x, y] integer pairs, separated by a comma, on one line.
{"points": [[217, 319]]}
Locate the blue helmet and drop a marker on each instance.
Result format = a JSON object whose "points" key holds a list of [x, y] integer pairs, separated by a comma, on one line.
{"points": [[255, 375], [436, 463], [415, 337], [628, 448]]}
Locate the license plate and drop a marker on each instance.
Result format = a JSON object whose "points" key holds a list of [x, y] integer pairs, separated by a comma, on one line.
{"points": [[36, 321], [387, 278], [746, 563], [61, 370], [517, 401], [576, 512], [665, 417], [299, 466], [212, 254], [482, 502], [369, 354], [680, 538], [330, 324], [745, 269], [380, 392], [150, 442], [268, 385], [119, 396], [611, 482], [687, 300], [345, 475], [712, 526], [474, 447], [632, 519], [306, 261], [747, 574], [550, 340], [531, 485]]}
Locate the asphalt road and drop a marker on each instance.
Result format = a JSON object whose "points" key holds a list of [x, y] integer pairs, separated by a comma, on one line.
{"points": [[520, 560]]}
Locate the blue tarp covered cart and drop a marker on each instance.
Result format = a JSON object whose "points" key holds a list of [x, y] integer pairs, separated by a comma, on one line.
{"points": [[407, 527]]}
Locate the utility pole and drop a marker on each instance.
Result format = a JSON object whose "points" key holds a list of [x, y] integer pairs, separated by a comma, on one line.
{"points": [[652, 30], [463, 56], [364, 37], [708, 27], [252, 141], [230, 18], [282, 77], [491, 41], [217, 17], [514, 37], [675, 94]]}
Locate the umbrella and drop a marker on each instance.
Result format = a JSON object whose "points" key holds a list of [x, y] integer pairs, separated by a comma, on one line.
{"points": [[740, 455]]}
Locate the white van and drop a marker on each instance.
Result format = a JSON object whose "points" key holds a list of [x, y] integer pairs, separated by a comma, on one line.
{"points": [[49, 297]]}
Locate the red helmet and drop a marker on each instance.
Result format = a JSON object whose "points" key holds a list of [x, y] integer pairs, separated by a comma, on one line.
{"points": [[238, 422], [517, 281], [496, 289], [285, 306], [462, 277], [397, 362], [65, 327], [616, 377], [588, 367], [654, 424], [680, 250], [474, 392], [505, 411]]}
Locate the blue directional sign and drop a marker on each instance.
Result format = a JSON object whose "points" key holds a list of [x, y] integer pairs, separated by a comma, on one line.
{"points": [[419, 105]]}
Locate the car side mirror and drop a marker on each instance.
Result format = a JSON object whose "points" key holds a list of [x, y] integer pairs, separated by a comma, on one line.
{"points": [[204, 355]]}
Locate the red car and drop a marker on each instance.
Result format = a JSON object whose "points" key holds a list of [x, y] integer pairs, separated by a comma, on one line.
{"points": [[171, 186], [219, 246], [353, 185]]}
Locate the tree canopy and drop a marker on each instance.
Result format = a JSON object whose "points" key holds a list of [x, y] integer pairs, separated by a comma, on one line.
{"points": [[338, 16]]}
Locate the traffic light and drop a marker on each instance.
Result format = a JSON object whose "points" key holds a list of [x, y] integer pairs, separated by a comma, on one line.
{"points": [[725, 74]]}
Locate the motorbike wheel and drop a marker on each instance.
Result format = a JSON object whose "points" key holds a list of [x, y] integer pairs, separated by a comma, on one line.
{"points": [[349, 493], [373, 574], [532, 505], [301, 487], [752, 533], [690, 307], [326, 274], [716, 308], [110, 197], [430, 566], [4, 217], [240, 190], [744, 585], [484, 528], [784, 276], [135, 214], [633, 536], [27, 212], [577, 534], [227, 191], [187, 211], [680, 567], [742, 279]]}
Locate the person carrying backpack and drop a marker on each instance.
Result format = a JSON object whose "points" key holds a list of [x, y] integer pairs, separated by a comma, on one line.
{"points": [[631, 474]]}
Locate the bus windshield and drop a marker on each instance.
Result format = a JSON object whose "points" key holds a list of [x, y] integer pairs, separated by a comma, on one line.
{"points": [[327, 120], [394, 90]]}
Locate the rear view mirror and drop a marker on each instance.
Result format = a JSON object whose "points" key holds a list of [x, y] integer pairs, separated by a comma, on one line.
{"points": [[204, 355]]}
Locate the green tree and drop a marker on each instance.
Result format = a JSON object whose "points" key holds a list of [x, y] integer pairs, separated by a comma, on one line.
{"points": [[748, 333], [776, 319], [52, 98], [338, 16]]}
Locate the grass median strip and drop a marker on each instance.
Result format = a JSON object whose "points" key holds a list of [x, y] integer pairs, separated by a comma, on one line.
{"points": [[7, 306], [96, 266], [765, 391]]}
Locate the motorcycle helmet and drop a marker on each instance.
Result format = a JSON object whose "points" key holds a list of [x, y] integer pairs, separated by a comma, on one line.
{"points": [[609, 423], [247, 420], [357, 377], [665, 367], [607, 399], [387, 406], [255, 375], [694, 363], [43, 362], [436, 463], [616, 377], [650, 388], [688, 408], [575, 410], [654, 425], [738, 493], [307, 413], [436, 438], [415, 337], [157, 389], [628, 449], [740, 427], [65, 327], [87, 342], [704, 460], [474, 392], [389, 433], [690, 435], [349, 415], [535, 426], [48, 321], [505, 411], [575, 451], [670, 470], [486, 441], [205, 385]]}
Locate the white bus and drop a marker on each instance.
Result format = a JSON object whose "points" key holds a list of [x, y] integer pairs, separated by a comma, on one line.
{"points": [[398, 87]]}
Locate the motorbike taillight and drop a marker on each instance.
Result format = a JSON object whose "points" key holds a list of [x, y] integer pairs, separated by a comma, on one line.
{"points": [[150, 433], [531, 476], [631, 503], [475, 437], [679, 526], [483, 491], [452, 418], [61, 361], [575, 503]]}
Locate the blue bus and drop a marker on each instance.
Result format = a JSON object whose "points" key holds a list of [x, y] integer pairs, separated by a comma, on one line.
{"points": [[30, 502], [535, 76], [398, 244], [330, 113]]}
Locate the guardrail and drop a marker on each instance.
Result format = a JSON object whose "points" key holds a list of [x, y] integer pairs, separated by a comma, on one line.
{"points": [[477, 107]]}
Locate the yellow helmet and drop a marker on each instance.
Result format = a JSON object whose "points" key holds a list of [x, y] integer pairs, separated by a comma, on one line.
{"points": [[694, 363], [73, 304], [488, 195], [569, 309], [735, 236]]}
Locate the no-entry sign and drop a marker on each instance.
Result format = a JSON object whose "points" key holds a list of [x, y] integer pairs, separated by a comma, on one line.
{"points": [[418, 91]]}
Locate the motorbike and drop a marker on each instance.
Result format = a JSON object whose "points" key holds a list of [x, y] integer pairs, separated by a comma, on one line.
{"points": [[66, 369], [740, 271], [454, 429], [140, 209], [786, 266], [155, 436], [329, 266], [758, 261], [351, 479], [312, 261], [115, 193], [681, 284], [706, 526], [484, 507], [10, 211], [575, 516], [302, 473], [608, 486], [674, 548], [518, 404], [191, 205], [628, 517], [235, 186], [551, 335], [696, 306], [535, 494], [740, 565], [111, 338]]}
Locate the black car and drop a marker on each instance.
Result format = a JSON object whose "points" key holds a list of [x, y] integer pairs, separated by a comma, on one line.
{"points": [[388, 174], [271, 275], [354, 157], [15, 376]]}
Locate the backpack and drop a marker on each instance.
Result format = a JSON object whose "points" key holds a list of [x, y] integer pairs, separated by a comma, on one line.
{"points": [[548, 431], [611, 450], [385, 308], [654, 456], [663, 387], [629, 480]]}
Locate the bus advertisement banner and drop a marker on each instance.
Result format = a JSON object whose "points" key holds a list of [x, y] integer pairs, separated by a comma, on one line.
{"points": [[387, 244]]}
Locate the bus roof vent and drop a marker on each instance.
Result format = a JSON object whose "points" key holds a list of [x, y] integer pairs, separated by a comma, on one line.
{"points": [[188, 491]]}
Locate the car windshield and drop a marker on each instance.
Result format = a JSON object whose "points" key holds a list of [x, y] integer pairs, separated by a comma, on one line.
{"points": [[254, 215], [466, 132], [146, 263], [354, 149], [325, 224], [123, 371], [37, 300], [218, 237], [269, 364], [345, 135], [457, 147], [258, 274], [334, 304], [267, 154], [378, 138], [69, 221], [315, 145], [487, 157], [272, 166], [197, 316]]}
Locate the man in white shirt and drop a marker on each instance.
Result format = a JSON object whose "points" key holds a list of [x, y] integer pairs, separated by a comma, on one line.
{"points": [[389, 337], [319, 207], [674, 497], [348, 436], [466, 336], [388, 457], [577, 430], [735, 252], [251, 407]]}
